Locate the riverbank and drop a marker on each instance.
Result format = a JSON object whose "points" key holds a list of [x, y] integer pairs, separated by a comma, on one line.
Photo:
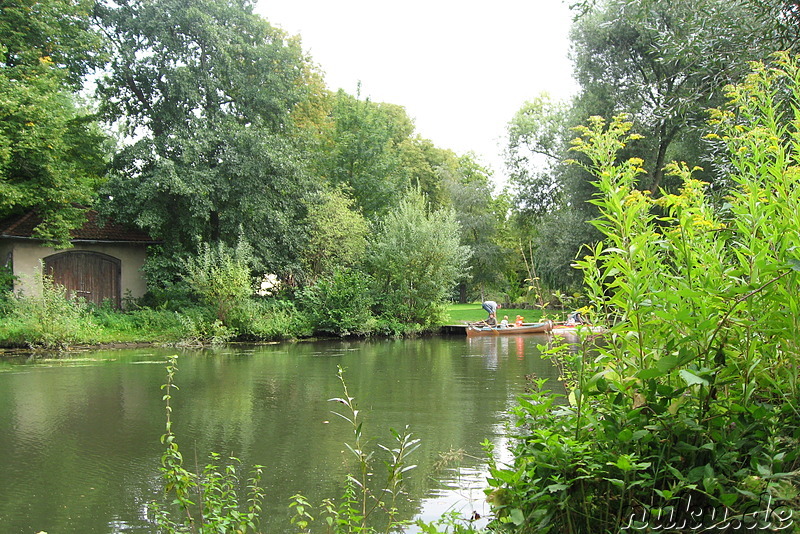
{"points": [[48, 324]]}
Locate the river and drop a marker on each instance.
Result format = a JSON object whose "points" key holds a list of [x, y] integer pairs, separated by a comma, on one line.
{"points": [[79, 433]]}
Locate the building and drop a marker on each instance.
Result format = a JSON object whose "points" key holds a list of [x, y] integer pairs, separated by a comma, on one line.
{"points": [[104, 262]]}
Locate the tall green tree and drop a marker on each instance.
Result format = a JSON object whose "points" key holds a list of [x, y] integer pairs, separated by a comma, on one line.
{"points": [[550, 197], [469, 189], [664, 64], [425, 167], [51, 150], [534, 150], [204, 91], [363, 154], [416, 259]]}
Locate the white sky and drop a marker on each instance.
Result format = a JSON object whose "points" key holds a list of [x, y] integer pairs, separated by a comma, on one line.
{"points": [[461, 68]]}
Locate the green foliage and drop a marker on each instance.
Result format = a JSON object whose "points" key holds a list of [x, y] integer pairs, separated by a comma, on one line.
{"points": [[336, 234], [51, 151], [340, 304], [535, 148], [480, 218], [7, 279], [60, 30], [220, 276], [208, 501], [268, 320], [199, 326], [663, 65], [138, 324], [363, 152], [48, 320], [204, 92], [449, 523], [415, 258], [690, 405]]}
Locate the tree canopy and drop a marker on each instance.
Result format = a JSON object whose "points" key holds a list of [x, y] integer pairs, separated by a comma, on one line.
{"points": [[52, 154], [204, 91]]}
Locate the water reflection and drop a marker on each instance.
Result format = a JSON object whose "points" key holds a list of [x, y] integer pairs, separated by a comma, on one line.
{"points": [[81, 444]]}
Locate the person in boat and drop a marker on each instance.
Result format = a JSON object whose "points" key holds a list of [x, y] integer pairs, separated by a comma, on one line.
{"points": [[491, 307], [575, 318], [519, 321], [491, 321], [504, 322]]}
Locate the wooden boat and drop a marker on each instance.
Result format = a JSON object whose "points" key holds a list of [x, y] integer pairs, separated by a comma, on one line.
{"points": [[510, 330]]}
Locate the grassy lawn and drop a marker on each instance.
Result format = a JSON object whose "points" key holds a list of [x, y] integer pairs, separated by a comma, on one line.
{"points": [[460, 313]]}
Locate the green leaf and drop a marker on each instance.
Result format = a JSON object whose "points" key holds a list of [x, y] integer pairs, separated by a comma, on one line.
{"points": [[667, 363], [647, 374], [692, 379], [516, 516], [625, 435]]}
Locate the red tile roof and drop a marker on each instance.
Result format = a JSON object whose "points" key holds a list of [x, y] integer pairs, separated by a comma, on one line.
{"points": [[22, 227]]}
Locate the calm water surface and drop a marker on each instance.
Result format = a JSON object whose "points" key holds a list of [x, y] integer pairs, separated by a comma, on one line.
{"points": [[79, 434]]}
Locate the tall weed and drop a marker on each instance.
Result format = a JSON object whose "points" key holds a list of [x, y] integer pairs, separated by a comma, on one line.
{"points": [[207, 501], [48, 320], [688, 412]]}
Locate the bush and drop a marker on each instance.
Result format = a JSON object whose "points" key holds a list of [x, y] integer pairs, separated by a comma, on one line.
{"points": [[690, 407], [340, 304], [199, 326], [268, 320], [220, 276], [415, 258], [49, 320]]}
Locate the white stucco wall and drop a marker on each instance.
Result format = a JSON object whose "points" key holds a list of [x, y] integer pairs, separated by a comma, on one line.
{"points": [[28, 256]]}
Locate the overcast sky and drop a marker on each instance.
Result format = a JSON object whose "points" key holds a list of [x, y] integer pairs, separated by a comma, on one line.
{"points": [[460, 68]]}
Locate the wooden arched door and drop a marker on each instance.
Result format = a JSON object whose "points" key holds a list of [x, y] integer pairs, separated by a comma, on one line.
{"points": [[91, 275]]}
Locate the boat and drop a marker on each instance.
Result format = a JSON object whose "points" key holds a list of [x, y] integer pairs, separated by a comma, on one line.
{"points": [[575, 329], [510, 330]]}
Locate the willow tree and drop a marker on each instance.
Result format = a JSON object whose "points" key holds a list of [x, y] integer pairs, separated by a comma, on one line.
{"points": [[416, 259]]}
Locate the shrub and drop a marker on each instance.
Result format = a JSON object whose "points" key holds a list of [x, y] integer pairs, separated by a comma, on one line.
{"points": [[340, 304], [268, 320], [220, 276], [199, 326], [690, 407], [49, 320], [415, 258]]}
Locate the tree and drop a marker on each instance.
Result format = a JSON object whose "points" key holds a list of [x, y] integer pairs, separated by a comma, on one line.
{"points": [[425, 165], [416, 259], [664, 63], [337, 234], [204, 91], [51, 151], [470, 193], [363, 152], [535, 149], [58, 30]]}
